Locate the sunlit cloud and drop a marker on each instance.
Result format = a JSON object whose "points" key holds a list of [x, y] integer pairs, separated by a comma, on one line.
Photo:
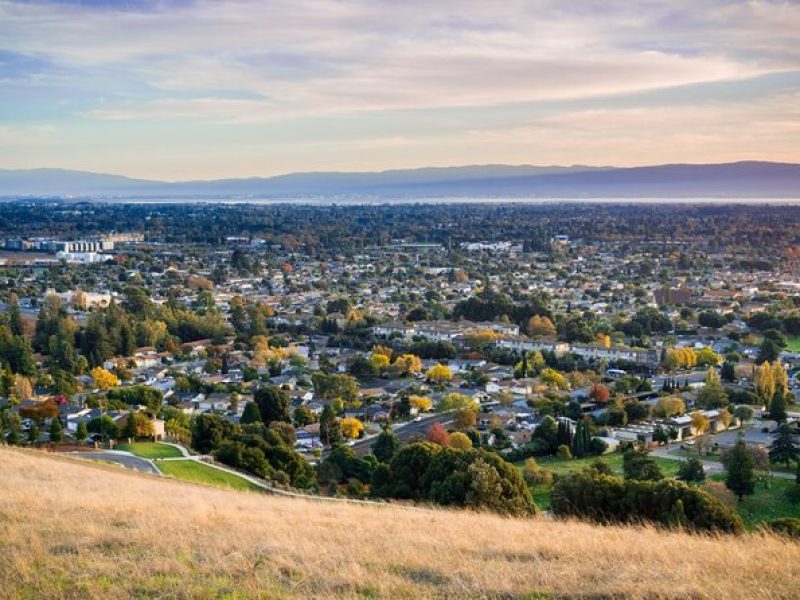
{"points": [[256, 76]]}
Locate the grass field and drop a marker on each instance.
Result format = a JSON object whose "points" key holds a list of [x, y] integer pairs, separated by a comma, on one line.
{"points": [[794, 344], [118, 534], [151, 450], [767, 503], [196, 472]]}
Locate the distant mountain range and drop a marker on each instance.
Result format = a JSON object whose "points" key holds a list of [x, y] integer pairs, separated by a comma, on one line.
{"points": [[749, 179]]}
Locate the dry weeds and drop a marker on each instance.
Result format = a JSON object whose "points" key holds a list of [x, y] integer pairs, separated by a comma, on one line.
{"points": [[75, 530]]}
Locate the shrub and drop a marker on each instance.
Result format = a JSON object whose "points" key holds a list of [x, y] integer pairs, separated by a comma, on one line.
{"points": [[786, 526], [607, 499]]}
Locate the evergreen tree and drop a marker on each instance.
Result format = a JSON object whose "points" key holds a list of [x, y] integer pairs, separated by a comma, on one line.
{"points": [[33, 433], [564, 435], [386, 445], [81, 433], [14, 315], [784, 449], [329, 426], [56, 431], [251, 414], [777, 408], [740, 478], [691, 471]]}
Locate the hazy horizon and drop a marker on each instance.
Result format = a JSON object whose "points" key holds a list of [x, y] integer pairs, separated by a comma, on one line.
{"points": [[181, 90]]}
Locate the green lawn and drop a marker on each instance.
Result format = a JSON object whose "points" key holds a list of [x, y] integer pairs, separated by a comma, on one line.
{"points": [[151, 450], [197, 472], [794, 344], [767, 504]]}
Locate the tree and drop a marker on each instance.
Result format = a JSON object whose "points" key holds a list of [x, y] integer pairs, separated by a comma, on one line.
{"points": [[456, 401], [251, 414], [386, 445], [460, 441], [691, 471], [541, 327], [764, 382], [700, 423], [56, 430], [103, 379], [740, 478], [351, 428], [465, 418], [553, 378], [421, 403], [669, 407], [599, 393], [439, 374], [743, 413], [777, 407], [438, 435], [329, 432], [14, 315], [637, 465], [273, 404], [784, 449], [81, 433], [713, 395]]}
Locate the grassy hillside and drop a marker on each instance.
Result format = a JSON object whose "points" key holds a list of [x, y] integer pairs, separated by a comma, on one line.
{"points": [[80, 530]]}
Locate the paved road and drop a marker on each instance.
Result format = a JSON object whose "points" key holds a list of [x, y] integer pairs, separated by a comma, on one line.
{"points": [[129, 461], [406, 431]]}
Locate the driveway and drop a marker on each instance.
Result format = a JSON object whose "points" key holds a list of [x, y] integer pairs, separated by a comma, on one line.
{"points": [[129, 461]]}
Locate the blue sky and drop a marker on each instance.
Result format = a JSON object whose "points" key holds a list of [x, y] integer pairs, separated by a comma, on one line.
{"points": [[204, 89]]}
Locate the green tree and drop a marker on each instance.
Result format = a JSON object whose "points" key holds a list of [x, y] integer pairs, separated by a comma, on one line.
{"points": [[273, 404], [740, 478], [639, 466], [386, 445], [329, 432], [81, 433], [691, 471], [251, 414], [784, 449], [777, 407], [56, 431]]}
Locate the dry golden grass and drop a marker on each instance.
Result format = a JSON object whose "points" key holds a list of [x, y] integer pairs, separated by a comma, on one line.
{"points": [[77, 530]]}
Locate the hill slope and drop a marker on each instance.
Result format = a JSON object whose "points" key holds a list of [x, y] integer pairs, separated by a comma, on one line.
{"points": [[728, 180], [73, 530]]}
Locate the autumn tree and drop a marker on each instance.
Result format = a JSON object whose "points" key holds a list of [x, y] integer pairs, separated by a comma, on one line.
{"points": [[438, 435], [439, 374], [421, 403], [104, 379], [541, 327], [599, 393], [351, 428]]}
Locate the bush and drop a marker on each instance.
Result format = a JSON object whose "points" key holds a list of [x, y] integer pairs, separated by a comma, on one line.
{"points": [[786, 526], [607, 499]]}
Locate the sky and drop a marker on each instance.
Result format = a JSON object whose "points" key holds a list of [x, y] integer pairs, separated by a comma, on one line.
{"points": [[185, 89]]}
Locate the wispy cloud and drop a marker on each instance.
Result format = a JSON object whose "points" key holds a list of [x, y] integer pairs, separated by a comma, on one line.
{"points": [[242, 64]]}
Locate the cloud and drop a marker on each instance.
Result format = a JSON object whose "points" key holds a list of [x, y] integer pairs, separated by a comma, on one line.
{"points": [[402, 81]]}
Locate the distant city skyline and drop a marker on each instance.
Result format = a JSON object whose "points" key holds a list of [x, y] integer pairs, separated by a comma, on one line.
{"points": [[184, 89]]}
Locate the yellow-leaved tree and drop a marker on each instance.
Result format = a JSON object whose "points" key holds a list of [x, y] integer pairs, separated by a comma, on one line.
{"points": [[421, 403], [351, 428], [439, 374], [104, 379]]}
